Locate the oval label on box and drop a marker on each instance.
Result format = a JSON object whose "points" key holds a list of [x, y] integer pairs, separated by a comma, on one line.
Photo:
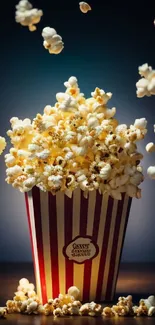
{"points": [[81, 249]]}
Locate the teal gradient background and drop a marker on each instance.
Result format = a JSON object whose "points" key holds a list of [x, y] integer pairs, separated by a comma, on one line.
{"points": [[102, 48]]}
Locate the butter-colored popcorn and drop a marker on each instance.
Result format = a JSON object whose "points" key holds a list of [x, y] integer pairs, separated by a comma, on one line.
{"points": [[120, 310], [64, 299], [71, 308], [48, 308], [25, 286], [90, 309], [57, 312], [124, 307], [74, 292], [84, 7], [26, 15], [76, 143], [146, 307], [15, 306], [20, 296], [151, 311], [146, 85], [125, 301], [2, 144], [141, 310], [52, 41], [107, 312], [3, 312], [10, 305]]}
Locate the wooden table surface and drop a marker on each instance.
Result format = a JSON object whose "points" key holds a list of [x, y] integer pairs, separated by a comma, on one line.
{"points": [[135, 279]]}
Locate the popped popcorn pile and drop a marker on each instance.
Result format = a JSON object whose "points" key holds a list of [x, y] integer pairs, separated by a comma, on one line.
{"points": [[90, 309], [26, 15], [26, 301], [146, 307], [122, 308], [2, 144], [76, 143], [125, 307], [52, 41], [84, 7], [146, 85]]}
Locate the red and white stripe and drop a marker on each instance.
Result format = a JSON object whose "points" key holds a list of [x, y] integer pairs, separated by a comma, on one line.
{"points": [[54, 221]]}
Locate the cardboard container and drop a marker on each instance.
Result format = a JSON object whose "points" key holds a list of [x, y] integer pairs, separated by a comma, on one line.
{"points": [[77, 242]]}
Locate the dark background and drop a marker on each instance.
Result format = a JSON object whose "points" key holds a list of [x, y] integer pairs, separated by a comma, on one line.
{"points": [[102, 48]]}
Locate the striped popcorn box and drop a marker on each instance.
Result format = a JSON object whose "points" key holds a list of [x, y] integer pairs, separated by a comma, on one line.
{"points": [[76, 241]]}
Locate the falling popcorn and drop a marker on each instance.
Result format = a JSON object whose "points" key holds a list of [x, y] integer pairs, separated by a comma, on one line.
{"points": [[2, 144], [84, 7], [151, 172], [26, 15], [52, 41], [146, 85], [150, 147]]}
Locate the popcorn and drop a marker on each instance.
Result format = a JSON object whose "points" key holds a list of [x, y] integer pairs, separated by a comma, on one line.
{"points": [[2, 144], [71, 308], [58, 312], [124, 307], [74, 292], [25, 300], [14, 171], [3, 312], [48, 308], [151, 172], [52, 41], [140, 123], [26, 15], [64, 300], [68, 305], [84, 7], [20, 296], [146, 85], [133, 191], [76, 143], [25, 286], [31, 307], [150, 147], [90, 309], [142, 310]]}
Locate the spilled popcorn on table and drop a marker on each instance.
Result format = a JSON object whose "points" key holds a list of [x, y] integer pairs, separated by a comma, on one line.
{"points": [[26, 301]]}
